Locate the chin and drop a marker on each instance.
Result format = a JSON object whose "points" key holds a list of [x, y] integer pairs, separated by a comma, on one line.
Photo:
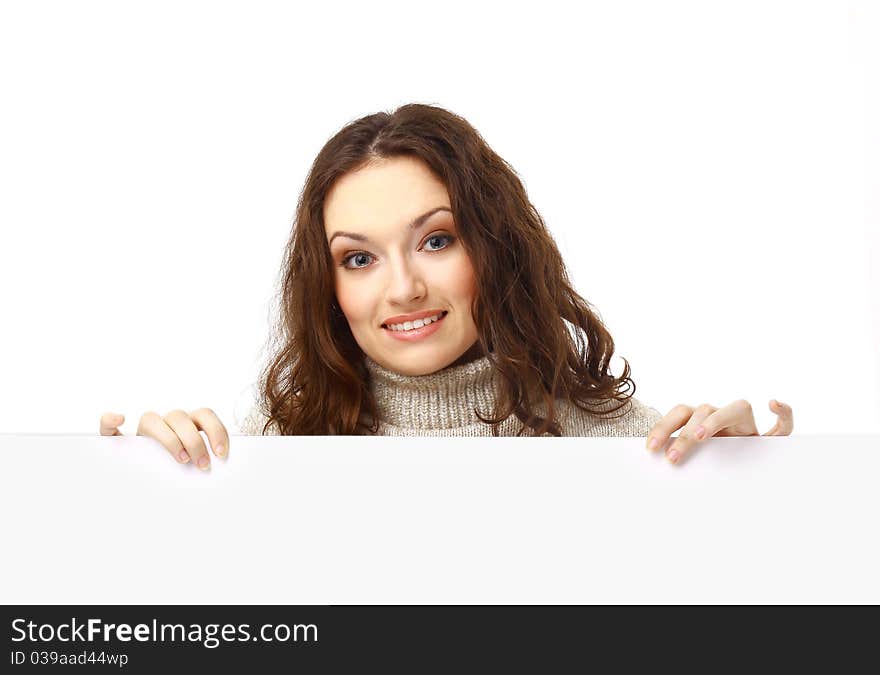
{"points": [[419, 366]]}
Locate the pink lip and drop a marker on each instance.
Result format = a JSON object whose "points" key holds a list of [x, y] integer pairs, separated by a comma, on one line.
{"points": [[415, 333], [403, 318]]}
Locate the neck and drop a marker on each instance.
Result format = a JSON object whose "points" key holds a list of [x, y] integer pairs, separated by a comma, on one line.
{"points": [[472, 354], [443, 399]]}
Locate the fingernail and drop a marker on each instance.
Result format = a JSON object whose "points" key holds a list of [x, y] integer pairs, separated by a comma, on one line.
{"points": [[700, 432], [653, 443], [183, 456], [221, 451], [203, 463], [673, 456]]}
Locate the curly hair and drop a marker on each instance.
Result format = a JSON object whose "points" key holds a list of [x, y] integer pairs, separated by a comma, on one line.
{"points": [[544, 340]]}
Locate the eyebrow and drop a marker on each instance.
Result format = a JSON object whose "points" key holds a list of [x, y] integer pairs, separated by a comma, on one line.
{"points": [[418, 222]]}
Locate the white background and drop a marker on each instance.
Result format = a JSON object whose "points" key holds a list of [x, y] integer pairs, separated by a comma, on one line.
{"points": [[478, 520], [709, 170]]}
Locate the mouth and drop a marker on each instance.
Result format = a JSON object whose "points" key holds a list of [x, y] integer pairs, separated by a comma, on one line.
{"points": [[414, 330]]}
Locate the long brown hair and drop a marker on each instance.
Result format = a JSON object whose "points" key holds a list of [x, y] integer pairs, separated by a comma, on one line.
{"points": [[543, 339]]}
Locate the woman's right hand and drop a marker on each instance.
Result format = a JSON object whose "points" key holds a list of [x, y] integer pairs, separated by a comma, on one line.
{"points": [[178, 432]]}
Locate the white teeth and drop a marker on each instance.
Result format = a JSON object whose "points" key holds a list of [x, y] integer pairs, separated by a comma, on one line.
{"points": [[418, 323]]}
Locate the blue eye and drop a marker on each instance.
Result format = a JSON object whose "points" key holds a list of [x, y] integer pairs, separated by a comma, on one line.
{"points": [[441, 237], [356, 257], [436, 242]]}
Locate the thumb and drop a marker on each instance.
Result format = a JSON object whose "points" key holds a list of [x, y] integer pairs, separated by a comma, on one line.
{"points": [[784, 419], [110, 422]]}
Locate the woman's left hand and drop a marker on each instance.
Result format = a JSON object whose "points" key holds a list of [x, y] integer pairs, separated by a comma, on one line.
{"points": [[706, 421]]}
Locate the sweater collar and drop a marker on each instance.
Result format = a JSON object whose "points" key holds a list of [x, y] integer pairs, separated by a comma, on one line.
{"points": [[441, 400]]}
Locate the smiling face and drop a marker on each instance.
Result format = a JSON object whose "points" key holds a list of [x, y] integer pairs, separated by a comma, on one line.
{"points": [[398, 262]]}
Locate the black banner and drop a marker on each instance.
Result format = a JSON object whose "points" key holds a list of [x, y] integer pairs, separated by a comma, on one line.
{"points": [[144, 638]]}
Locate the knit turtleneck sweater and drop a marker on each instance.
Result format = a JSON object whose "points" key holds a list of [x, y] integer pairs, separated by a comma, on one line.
{"points": [[444, 404]]}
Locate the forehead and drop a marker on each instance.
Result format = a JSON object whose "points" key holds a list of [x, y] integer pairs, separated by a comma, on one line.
{"points": [[382, 195]]}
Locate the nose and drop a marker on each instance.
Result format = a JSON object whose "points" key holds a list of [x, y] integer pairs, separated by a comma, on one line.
{"points": [[405, 284]]}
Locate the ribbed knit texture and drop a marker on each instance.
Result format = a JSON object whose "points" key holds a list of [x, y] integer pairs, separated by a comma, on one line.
{"points": [[445, 404]]}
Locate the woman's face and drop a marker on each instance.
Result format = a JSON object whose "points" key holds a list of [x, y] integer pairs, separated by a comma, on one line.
{"points": [[397, 260]]}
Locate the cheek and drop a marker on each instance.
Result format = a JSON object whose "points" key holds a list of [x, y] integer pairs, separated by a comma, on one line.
{"points": [[349, 298], [462, 281], [358, 297]]}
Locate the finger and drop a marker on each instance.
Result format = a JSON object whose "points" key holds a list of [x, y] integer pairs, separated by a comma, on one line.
{"points": [[687, 437], [784, 419], [110, 422], [206, 420], [674, 419], [774, 431], [189, 435], [153, 425], [738, 414]]}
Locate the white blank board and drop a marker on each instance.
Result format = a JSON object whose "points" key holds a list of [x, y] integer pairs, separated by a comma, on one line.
{"points": [[333, 520]]}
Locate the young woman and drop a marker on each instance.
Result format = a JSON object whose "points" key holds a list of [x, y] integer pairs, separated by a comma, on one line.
{"points": [[422, 294]]}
